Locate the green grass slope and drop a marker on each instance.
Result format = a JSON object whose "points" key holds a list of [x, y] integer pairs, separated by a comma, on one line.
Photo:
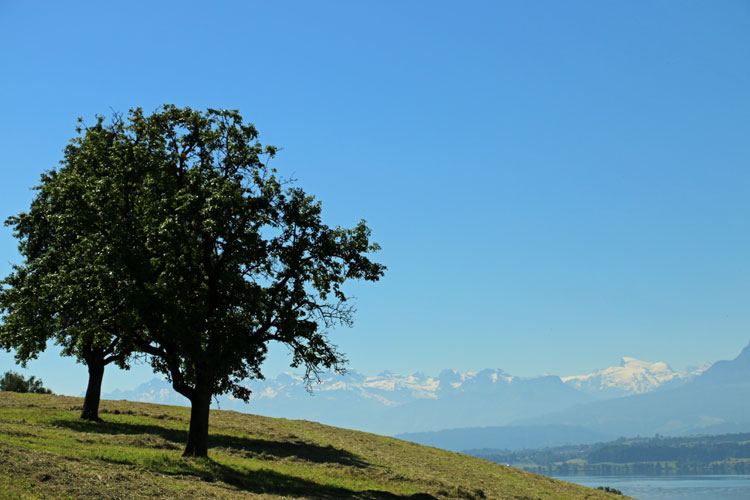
{"points": [[46, 452]]}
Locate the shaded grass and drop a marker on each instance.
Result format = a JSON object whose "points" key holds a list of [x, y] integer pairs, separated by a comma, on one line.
{"points": [[46, 451], [252, 446]]}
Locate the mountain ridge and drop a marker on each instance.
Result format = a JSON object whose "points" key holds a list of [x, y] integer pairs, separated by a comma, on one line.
{"points": [[717, 398], [633, 376], [389, 403]]}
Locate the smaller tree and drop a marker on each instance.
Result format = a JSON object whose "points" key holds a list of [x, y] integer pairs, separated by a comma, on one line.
{"points": [[69, 288], [15, 382]]}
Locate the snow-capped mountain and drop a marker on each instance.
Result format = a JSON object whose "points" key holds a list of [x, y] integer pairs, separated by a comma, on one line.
{"points": [[390, 403], [388, 388], [716, 401], [156, 390], [633, 376]]}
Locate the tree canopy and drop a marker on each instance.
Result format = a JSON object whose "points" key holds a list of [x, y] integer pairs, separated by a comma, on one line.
{"points": [[75, 244], [233, 258], [170, 235]]}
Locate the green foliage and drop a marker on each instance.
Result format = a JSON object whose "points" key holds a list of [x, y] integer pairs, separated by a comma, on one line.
{"points": [[15, 382], [71, 285], [231, 257], [169, 235]]}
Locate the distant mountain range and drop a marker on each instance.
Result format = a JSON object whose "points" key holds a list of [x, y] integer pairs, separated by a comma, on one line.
{"points": [[710, 400], [716, 401], [389, 403]]}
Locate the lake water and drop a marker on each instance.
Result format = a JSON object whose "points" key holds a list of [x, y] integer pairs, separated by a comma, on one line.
{"points": [[672, 487]]}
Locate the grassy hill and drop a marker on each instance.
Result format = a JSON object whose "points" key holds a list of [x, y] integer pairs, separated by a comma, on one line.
{"points": [[46, 451]]}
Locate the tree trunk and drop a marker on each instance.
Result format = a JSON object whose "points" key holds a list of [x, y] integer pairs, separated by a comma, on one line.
{"points": [[197, 443], [93, 391]]}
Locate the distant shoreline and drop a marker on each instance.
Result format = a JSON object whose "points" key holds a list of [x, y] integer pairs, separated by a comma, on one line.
{"points": [[722, 454]]}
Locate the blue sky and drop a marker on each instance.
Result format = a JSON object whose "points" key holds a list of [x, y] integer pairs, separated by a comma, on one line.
{"points": [[554, 184]]}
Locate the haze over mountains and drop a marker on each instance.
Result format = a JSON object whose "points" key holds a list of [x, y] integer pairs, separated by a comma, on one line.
{"points": [[389, 403], [712, 401], [637, 397], [716, 401], [631, 377]]}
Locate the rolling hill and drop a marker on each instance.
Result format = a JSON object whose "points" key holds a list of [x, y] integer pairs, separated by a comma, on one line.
{"points": [[46, 451]]}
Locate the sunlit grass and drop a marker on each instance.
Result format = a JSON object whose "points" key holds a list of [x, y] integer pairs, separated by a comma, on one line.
{"points": [[46, 451]]}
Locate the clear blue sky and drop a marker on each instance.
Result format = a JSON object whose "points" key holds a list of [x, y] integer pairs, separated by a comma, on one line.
{"points": [[554, 184]]}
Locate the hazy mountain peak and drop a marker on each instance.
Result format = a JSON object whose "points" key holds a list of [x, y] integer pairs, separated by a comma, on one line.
{"points": [[744, 355], [735, 371], [449, 378], [416, 384], [390, 403], [495, 375], [633, 376], [636, 364]]}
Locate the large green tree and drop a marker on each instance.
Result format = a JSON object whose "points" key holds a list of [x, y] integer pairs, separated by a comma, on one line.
{"points": [[74, 242], [198, 256], [232, 260]]}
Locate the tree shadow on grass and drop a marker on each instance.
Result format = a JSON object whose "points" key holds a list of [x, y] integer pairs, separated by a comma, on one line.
{"points": [[258, 481], [252, 447], [268, 481]]}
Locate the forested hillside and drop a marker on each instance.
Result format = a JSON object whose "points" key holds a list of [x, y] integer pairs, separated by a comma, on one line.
{"points": [[711, 454]]}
